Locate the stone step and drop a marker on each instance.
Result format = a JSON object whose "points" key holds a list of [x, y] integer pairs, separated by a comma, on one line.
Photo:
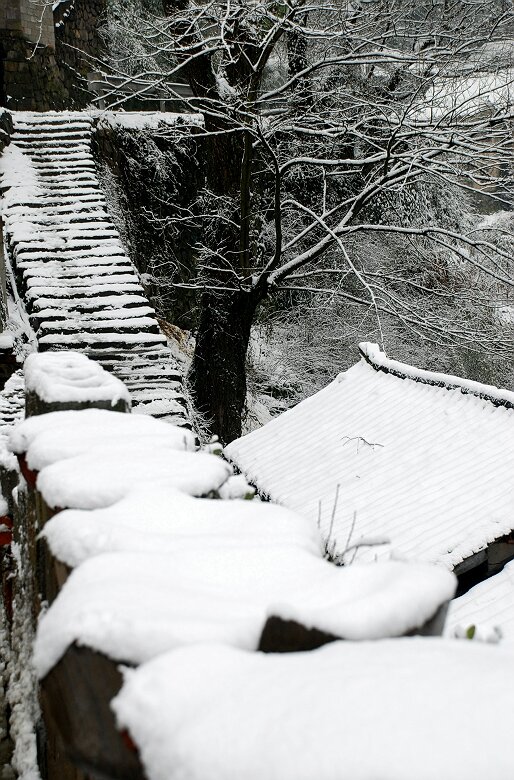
{"points": [[91, 339], [83, 153], [81, 290], [35, 126], [122, 325], [60, 177], [51, 130], [37, 143], [80, 199], [97, 290], [60, 236], [41, 139], [47, 171], [63, 203], [80, 304], [153, 354], [74, 261], [48, 211], [76, 229], [72, 243], [78, 249], [62, 271], [34, 283]]}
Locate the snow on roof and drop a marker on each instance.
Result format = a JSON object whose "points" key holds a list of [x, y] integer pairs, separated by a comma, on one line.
{"points": [[488, 606], [396, 710], [58, 377], [133, 606], [422, 459], [467, 95]]}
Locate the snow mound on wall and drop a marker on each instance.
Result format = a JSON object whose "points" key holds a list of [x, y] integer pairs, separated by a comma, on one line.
{"points": [[49, 438], [396, 710], [110, 472], [58, 377], [168, 521], [132, 607], [148, 120]]}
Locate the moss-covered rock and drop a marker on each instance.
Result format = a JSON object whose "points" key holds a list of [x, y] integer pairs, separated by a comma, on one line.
{"points": [[158, 176]]}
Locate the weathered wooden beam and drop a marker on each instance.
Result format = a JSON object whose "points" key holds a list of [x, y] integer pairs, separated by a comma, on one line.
{"points": [[288, 636], [75, 699]]}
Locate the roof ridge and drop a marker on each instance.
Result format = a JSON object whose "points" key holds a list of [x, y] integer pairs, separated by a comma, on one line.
{"points": [[379, 361]]}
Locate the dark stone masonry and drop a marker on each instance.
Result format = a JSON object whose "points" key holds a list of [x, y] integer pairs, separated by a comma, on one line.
{"points": [[45, 56]]}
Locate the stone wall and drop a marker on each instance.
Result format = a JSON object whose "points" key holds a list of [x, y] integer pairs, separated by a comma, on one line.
{"points": [[33, 19], [40, 70], [157, 178], [78, 45], [29, 77]]}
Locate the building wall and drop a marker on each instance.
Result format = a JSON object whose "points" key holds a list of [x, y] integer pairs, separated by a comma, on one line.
{"points": [[44, 54], [30, 78], [33, 19], [10, 15], [78, 45]]}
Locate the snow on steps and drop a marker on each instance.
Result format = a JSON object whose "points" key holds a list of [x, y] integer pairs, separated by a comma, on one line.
{"points": [[81, 290]]}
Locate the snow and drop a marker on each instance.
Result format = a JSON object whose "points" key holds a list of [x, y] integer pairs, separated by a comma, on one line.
{"points": [[236, 487], [489, 607], [18, 176], [377, 455], [113, 470], [396, 710], [506, 314], [115, 451], [166, 520], [134, 606], [148, 120], [63, 377], [378, 358], [47, 439], [6, 340], [465, 96]]}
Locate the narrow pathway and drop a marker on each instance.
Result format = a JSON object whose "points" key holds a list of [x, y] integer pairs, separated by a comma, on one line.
{"points": [[80, 289]]}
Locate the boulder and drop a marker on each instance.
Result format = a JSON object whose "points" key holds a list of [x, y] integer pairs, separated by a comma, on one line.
{"points": [[6, 128]]}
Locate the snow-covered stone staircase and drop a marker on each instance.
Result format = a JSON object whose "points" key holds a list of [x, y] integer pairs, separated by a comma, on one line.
{"points": [[80, 289]]}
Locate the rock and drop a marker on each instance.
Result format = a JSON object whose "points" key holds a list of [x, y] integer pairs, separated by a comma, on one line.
{"points": [[6, 128]]}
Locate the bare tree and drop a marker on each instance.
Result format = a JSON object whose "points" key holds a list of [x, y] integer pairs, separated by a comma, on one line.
{"points": [[319, 117]]}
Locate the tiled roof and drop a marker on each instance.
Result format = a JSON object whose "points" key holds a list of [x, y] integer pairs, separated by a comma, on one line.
{"points": [[488, 605], [422, 459]]}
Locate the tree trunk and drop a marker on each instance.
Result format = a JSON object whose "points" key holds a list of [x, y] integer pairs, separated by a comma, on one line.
{"points": [[218, 374]]}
